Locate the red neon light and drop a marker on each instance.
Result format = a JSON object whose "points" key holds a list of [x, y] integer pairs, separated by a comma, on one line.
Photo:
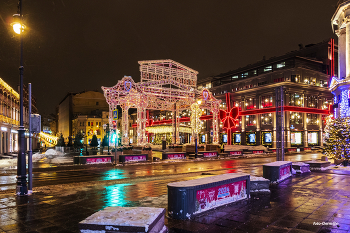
{"points": [[253, 112]]}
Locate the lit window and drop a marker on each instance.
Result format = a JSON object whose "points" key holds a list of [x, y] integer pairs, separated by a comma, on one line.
{"points": [[268, 68], [234, 77], [281, 65]]}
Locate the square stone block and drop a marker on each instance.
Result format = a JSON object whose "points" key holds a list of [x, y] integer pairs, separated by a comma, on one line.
{"points": [[259, 184], [125, 219]]}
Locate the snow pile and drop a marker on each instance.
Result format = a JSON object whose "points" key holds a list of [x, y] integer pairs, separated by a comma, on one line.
{"points": [[52, 152], [277, 163], [241, 147], [37, 156], [258, 178], [125, 216]]}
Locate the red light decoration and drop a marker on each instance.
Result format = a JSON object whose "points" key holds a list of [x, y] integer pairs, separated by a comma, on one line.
{"points": [[229, 118]]}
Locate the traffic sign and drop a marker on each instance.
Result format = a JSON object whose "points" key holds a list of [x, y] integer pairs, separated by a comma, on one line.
{"points": [[115, 114]]}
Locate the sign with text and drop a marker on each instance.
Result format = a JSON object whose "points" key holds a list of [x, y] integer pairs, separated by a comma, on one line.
{"points": [[135, 158], [115, 114], [285, 172], [35, 123], [235, 152], [219, 195], [210, 154], [98, 160], [176, 156]]}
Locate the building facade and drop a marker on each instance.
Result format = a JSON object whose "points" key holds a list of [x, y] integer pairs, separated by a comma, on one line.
{"points": [[82, 112], [304, 77], [9, 117]]}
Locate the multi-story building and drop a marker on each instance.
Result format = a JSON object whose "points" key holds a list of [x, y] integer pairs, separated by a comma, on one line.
{"points": [[85, 112], [304, 76], [9, 116]]}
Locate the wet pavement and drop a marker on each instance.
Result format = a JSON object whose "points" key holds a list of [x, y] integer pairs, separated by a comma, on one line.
{"points": [[295, 205]]}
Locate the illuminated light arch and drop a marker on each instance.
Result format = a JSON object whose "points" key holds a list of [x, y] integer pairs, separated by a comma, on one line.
{"points": [[165, 85]]}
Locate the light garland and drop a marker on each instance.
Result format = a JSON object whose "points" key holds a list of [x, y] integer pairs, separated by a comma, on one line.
{"points": [[49, 138], [195, 121], [8, 88], [167, 129]]}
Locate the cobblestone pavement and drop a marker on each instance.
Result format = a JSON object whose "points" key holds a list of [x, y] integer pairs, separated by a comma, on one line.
{"points": [[295, 205]]}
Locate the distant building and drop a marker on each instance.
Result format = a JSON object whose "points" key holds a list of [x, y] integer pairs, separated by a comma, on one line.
{"points": [[81, 108], [304, 75], [9, 116]]}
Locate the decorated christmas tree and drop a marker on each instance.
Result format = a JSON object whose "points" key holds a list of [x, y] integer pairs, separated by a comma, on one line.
{"points": [[337, 137]]}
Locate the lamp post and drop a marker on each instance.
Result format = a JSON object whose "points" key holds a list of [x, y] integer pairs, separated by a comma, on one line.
{"points": [[21, 188]]}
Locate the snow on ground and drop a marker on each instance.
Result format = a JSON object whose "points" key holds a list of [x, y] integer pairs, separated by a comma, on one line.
{"points": [[241, 147], [336, 167]]}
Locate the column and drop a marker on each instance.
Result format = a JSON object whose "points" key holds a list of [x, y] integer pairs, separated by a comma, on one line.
{"points": [[141, 126], [347, 49], [341, 53], [287, 124], [274, 124], [216, 125], [305, 130], [125, 125], [176, 125]]}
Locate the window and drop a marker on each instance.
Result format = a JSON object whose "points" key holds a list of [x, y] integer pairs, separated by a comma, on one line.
{"points": [[250, 103], [296, 100], [208, 85], [281, 65], [89, 123], [244, 75], [234, 77], [266, 119], [268, 68], [92, 123], [296, 118], [277, 80], [311, 119], [250, 120], [323, 83], [311, 101], [80, 123], [96, 103], [266, 101]]}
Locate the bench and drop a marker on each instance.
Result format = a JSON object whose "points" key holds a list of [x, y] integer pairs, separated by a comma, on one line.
{"points": [[125, 219], [191, 197], [93, 159], [301, 167], [174, 155], [277, 171], [133, 158], [318, 165]]}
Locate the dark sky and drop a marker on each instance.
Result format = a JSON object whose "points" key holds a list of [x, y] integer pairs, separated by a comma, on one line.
{"points": [[77, 45]]}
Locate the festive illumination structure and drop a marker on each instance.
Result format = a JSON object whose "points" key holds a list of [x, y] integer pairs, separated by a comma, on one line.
{"points": [[165, 85], [50, 139], [229, 118]]}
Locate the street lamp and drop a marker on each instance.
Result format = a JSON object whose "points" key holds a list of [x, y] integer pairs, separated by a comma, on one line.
{"points": [[21, 188]]}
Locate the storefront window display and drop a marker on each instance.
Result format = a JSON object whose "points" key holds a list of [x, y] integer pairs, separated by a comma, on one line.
{"points": [[237, 138], [312, 138], [266, 138], [296, 138], [251, 139], [266, 119]]}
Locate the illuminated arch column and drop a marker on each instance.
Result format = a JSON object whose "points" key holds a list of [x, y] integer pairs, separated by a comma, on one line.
{"points": [[141, 126], [125, 125], [215, 125], [176, 125]]}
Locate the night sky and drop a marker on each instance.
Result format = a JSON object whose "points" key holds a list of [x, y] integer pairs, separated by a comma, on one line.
{"points": [[76, 45]]}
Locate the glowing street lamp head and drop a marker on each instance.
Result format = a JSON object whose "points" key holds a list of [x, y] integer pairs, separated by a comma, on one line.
{"points": [[199, 101], [17, 26]]}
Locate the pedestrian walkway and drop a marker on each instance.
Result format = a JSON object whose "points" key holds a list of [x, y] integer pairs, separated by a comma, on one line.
{"points": [[299, 204]]}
